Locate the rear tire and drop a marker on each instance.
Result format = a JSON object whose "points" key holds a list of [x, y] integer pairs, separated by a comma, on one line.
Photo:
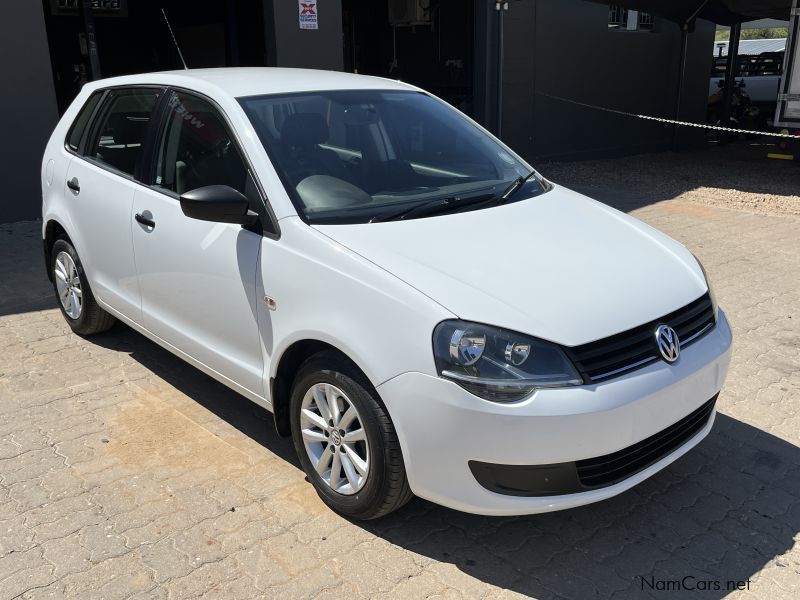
{"points": [[338, 384], [75, 298]]}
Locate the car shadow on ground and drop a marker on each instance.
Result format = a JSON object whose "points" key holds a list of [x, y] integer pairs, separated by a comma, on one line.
{"points": [[706, 524], [46, 302]]}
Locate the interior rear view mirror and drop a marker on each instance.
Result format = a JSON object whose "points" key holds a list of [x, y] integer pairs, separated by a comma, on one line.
{"points": [[360, 115]]}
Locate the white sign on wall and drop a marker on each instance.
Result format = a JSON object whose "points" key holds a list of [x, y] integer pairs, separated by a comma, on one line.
{"points": [[308, 14]]}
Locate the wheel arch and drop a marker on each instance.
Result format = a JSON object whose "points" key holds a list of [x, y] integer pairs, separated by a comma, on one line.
{"points": [[52, 231], [288, 363]]}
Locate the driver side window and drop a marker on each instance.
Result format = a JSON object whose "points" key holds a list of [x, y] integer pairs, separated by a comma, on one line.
{"points": [[196, 149]]}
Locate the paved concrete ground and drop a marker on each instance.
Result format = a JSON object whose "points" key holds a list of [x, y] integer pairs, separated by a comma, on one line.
{"points": [[124, 472]]}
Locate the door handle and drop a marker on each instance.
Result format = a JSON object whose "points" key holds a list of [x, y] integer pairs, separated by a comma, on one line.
{"points": [[74, 185], [147, 222]]}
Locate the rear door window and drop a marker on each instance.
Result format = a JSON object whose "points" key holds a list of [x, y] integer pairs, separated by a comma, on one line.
{"points": [[119, 136]]}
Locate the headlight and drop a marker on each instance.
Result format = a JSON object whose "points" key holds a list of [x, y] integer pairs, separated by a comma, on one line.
{"points": [[498, 364], [710, 289]]}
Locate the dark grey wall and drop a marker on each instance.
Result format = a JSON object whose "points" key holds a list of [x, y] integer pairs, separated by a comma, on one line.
{"points": [[564, 48], [28, 110], [695, 87], [290, 46]]}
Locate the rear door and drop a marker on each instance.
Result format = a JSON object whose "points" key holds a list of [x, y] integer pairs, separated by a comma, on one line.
{"points": [[788, 112], [100, 187], [198, 278]]}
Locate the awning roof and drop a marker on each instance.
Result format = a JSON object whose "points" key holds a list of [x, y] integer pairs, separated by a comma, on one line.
{"points": [[722, 12]]}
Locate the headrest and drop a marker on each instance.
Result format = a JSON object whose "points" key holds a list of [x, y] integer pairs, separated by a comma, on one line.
{"points": [[125, 129], [304, 129]]}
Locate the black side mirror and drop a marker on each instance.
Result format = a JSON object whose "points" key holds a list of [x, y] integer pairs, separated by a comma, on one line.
{"points": [[218, 203]]}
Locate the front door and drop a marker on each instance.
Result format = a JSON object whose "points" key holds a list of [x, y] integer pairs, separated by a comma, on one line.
{"points": [[197, 279]]}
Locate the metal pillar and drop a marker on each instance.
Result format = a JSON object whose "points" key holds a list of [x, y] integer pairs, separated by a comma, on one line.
{"points": [[688, 25], [730, 71], [91, 39], [500, 8], [681, 78]]}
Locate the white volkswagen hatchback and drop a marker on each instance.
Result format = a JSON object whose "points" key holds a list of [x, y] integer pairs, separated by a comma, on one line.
{"points": [[422, 312]]}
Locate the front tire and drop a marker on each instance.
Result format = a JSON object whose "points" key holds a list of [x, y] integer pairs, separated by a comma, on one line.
{"points": [[345, 440], [75, 298]]}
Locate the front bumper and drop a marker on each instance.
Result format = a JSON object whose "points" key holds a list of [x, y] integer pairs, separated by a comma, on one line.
{"points": [[442, 427]]}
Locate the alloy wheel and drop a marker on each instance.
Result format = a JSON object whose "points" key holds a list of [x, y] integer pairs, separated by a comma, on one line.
{"points": [[334, 438], [68, 285]]}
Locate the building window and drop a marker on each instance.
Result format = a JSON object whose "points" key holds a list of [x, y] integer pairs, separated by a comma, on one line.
{"points": [[617, 17], [646, 21], [623, 19]]}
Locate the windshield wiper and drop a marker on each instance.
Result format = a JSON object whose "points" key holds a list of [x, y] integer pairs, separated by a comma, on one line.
{"points": [[514, 187], [431, 207], [453, 203]]}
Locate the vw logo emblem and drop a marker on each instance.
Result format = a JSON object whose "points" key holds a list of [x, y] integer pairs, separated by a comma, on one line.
{"points": [[668, 343]]}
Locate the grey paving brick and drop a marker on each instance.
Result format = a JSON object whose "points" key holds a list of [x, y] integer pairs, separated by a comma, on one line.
{"points": [[126, 473]]}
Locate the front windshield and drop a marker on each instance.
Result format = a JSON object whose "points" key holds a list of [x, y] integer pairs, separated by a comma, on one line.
{"points": [[350, 156]]}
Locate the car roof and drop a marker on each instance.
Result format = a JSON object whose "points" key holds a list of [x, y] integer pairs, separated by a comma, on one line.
{"points": [[253, 81]]}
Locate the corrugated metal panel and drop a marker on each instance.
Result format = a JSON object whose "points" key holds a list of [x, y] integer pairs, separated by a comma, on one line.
{"points": [[722, 12], [751, 47]]}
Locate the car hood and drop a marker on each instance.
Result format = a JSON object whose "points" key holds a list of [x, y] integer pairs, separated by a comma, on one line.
{"points": [[559, 266]]}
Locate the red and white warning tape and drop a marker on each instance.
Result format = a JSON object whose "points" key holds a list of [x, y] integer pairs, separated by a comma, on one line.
{"points": [[672, 121]]}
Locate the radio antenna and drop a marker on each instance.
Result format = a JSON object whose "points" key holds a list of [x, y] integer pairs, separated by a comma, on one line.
{"points": [[174, 41]]}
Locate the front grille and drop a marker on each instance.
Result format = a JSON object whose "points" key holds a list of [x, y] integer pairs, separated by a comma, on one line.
{"points": [[609, 469], [636, 348]]}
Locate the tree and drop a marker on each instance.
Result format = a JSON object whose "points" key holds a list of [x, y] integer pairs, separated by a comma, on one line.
{"points": [[755, 34]]}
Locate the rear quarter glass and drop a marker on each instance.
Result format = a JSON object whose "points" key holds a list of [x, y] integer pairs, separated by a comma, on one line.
{"points": [[78, 126]]}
